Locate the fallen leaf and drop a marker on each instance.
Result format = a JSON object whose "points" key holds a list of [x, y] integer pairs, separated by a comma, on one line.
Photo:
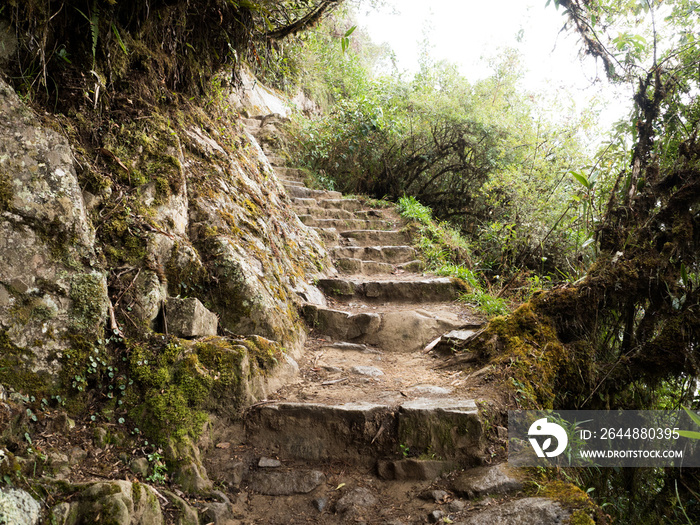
{"points": [[340, 486], [224, 444]]}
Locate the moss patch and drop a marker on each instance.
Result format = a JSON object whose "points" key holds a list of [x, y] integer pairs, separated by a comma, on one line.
{"points": [[15, 369], [527, 353], [88, 293], [178, 381]]}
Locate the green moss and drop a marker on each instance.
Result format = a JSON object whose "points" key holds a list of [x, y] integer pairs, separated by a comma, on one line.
{"points": [[15, 369], [527, 353], [88, 293], [264, 353], [574, 499], [179, 382], [186, 280]]}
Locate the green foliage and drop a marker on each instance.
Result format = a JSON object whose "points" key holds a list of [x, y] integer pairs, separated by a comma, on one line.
{"points": [[483, 155], [158, 468], [446, 253]]}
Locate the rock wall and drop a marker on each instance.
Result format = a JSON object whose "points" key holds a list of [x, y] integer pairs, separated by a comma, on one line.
{"points": [[184, 206], [52, 285]]}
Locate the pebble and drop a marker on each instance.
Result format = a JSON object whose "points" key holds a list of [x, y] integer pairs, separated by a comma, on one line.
{"points": [[269, 463], [371, 371]]}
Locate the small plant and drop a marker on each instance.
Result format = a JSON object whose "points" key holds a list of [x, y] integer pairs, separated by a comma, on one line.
{"points": [[159, 469], [405, 450]]}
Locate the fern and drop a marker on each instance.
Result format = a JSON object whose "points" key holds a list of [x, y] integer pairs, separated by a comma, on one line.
{"points": [[94, 21]]}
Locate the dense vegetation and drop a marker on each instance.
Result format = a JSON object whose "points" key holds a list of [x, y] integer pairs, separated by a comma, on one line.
{"points": [[617, 228]]}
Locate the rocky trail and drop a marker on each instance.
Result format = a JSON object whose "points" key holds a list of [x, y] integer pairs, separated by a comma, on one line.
{"points": [[378, 428]]}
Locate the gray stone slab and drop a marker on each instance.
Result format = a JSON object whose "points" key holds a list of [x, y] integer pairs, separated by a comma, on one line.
{"points": [[274, 483], [414, 469], [189, 318], [314, 431], [483, 481], [448, 428], [526, 511]]}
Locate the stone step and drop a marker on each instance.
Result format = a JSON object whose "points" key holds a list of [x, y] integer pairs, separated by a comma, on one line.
{"points": [[360, 267], [291, 182], [376, 237], [362, 433], [276, 161], [345, 224], [328, 235], [341, 204], [371, 214], [393, 331], [290, 173], [429, 289], [323, 213], [386, 254], [303, 201], [304, 192]]}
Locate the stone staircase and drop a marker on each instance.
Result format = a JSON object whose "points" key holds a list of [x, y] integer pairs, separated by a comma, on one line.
{"points": [[374, 431]]}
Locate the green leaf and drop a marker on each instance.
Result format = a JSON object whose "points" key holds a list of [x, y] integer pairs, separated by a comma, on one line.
{"points": [[689, 434], [582, 179], [684, 275], [121, 43], [693, 416]]}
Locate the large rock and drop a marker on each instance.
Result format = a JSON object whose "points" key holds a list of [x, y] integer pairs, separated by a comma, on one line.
{"points": [[17, 507], [51, 287], [256, 99], [448, 428], [482, 481], [189, 318], [527, 511], [286, 483], [115, 502]]}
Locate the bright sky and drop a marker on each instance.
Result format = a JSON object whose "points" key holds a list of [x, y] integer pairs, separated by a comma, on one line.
{"points": [[468, 32]]}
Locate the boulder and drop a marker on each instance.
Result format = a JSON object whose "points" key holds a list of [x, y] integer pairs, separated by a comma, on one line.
{"points": [[116, 502], [18, 507], [526, 511], [484, 481], [189, 318]]}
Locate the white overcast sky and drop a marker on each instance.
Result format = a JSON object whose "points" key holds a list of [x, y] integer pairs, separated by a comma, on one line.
{"points": [[468, 32]]}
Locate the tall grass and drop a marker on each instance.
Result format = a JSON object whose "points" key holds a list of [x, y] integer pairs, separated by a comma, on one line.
{"points": [[446, 252]]}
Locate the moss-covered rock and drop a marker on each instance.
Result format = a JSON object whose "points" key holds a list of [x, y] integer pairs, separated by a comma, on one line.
{"points": [[109, 503], [51, 284]]}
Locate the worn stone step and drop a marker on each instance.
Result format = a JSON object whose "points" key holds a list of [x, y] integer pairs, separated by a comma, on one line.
{"points": [[276, 161], [376, 237], [386, 254], [323, 213], [429, 289], [372, 214], [393, 331], [289, 173], [342, 204], [328, 235], [291, 182], [362, 433], [344, 224], [304, 192], [360, 267], [303, 201]]}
